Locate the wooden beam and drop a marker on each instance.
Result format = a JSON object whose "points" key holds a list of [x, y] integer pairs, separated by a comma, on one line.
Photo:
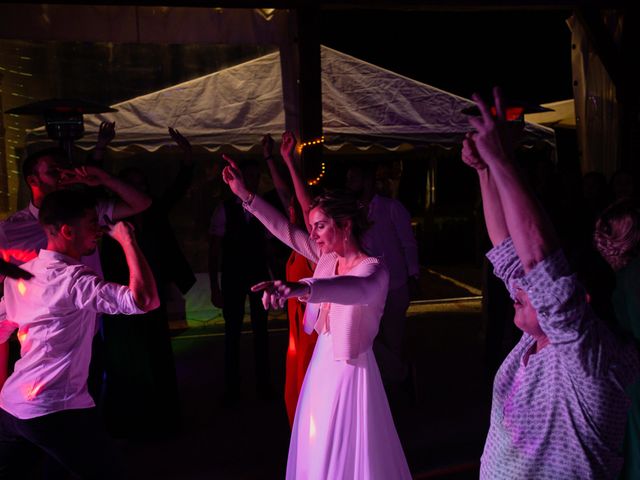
{"points": [[451, 5], [603, 45], [310, 86]]}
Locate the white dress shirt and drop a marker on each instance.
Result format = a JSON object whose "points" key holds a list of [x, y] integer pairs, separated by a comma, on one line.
{"points": [[55, 314]]}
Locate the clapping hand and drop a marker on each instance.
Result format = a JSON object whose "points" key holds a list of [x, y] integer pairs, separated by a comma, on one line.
{"points": [[276, 292]]}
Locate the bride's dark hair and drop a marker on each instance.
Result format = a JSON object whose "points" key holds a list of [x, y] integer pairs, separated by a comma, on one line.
{"points": [[342, 205]]}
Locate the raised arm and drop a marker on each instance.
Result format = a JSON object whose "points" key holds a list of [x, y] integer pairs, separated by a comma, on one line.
{"points": [[130, 201], [183, 179], [491, 205], [287, 150], [533, 236], [141, 281], [284, 192], [271, 218], [106, 134]]}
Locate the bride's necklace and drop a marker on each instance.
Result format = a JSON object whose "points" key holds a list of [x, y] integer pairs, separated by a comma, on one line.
{"points": [[341, 268]]}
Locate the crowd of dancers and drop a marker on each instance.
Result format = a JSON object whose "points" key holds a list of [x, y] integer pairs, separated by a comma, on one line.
{"points": [[566, 401]]}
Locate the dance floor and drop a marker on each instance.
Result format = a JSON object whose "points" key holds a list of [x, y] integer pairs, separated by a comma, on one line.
{"points": [[441, 423], [441, 418]]}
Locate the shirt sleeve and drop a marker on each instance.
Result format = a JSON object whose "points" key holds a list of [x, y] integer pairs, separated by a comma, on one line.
{"points": [[363, 288], [402, 224], [587, 348], [90, 292], [218, 220], [506, 265], [558, 298], [285, 231], [105, 208], [6, 326]]}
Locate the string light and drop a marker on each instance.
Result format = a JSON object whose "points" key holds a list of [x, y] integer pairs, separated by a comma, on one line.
{"points": [[316, 180], [323, 167]]}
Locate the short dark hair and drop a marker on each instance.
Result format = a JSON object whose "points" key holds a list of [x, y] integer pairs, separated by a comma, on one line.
{"points": [[65, 207], [31, 162]]}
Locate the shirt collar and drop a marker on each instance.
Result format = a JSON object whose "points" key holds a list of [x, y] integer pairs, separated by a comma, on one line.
{"points": [[53, 255], [35, 211]]}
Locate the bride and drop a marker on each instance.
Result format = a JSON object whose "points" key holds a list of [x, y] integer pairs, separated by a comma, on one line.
{"points": [[343, 427]]}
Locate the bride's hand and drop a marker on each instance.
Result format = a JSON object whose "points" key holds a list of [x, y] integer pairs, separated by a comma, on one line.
{"points": [[232, 176], [277, 292]]}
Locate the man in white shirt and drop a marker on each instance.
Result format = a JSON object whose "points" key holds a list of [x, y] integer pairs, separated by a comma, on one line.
{"points": [[390, 237], [45, 402], [22, 237]]}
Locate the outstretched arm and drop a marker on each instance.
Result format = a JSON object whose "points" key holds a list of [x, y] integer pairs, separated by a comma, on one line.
{"points": [[130, 201], [271, 218], [360, 289], [491, 205], [532, 234]]}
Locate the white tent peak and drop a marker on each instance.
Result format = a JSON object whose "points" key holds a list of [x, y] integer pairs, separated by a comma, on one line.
{"points": [[363, 106]]}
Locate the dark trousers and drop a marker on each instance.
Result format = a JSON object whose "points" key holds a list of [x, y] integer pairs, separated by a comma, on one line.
{"points": [[234, 296], [74, 438], [141, 389]]}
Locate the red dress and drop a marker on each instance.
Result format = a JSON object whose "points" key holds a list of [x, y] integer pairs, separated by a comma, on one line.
{"points": [[300, 344]]}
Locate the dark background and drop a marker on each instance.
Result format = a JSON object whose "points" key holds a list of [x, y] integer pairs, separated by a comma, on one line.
{"points": [[528, 53]]}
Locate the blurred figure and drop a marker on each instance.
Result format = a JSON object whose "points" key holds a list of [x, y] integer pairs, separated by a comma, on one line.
{"points": [[390, 237], [141, 391], [617, 238], [238, 251], [623, 186]]}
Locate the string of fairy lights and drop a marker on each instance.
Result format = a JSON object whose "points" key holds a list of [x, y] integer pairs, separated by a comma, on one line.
{"points": [[323, 167]]}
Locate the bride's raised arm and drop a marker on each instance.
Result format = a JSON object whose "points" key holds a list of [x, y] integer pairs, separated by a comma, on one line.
{"points": [[270, 217]]}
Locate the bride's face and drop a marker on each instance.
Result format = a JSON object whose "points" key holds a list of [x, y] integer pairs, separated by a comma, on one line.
{"points": [[324, 231]]}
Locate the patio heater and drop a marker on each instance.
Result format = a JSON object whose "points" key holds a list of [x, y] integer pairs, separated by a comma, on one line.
{"points": [[62, 118]]}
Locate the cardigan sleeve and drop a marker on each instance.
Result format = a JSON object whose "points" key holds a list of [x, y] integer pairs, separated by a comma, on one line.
{"points": [[281, 228], [368, 282]]}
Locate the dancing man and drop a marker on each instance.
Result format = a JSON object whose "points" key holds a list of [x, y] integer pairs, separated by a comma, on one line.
{"points": [[559, 405], [45, 402]]}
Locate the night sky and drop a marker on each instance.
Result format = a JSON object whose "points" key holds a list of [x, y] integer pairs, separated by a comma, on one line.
{"points": [[528, 53]]}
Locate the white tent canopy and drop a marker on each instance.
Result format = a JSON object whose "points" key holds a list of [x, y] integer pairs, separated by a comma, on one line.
{"points": [[364, 106]]}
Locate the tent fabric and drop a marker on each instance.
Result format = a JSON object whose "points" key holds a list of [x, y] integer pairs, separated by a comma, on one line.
{"points": [[364, 107]]}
